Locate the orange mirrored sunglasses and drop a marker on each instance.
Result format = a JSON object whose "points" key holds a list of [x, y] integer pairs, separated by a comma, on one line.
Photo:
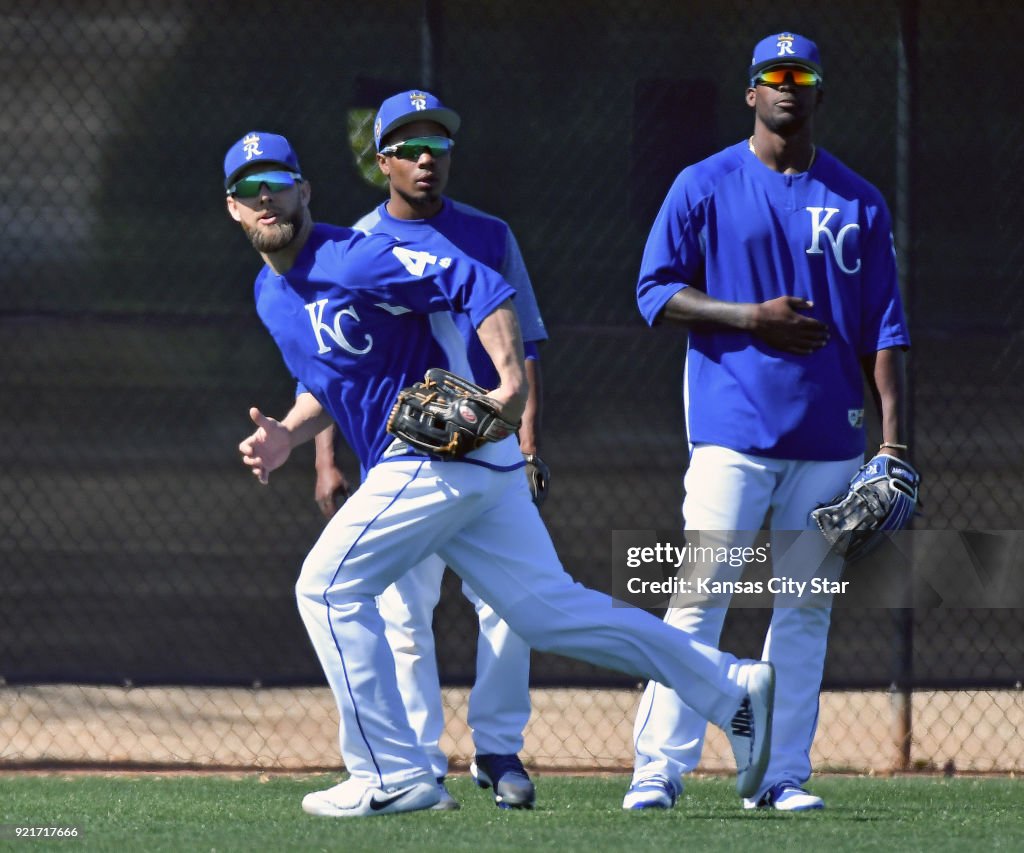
{"points": [[777, 76]]}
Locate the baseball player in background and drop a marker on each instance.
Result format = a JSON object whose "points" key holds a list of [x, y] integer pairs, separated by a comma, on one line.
{"points": [[780, 262], [357, 318], [414, 134]]}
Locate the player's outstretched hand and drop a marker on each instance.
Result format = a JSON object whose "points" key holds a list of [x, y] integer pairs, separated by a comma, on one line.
{"points": [[266, 449], [780, 323]]}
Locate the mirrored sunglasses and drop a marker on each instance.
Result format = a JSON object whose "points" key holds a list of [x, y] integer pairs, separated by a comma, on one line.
{"points": [[250, 185], [413, 149], [777, 76]]}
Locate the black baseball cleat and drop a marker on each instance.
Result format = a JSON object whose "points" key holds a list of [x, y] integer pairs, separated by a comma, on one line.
{"points": [[509, 779]]}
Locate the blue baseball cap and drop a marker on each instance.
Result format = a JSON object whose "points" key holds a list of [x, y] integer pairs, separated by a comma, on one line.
{"points": [[785, 49], [414, 105], [258, 147]]}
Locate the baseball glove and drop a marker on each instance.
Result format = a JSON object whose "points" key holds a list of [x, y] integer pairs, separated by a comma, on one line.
{"points": [[538, 475], [880, 498], [447, 416]]}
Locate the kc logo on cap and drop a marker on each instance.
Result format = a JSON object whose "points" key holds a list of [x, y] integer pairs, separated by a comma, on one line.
{"points": [[258, 146], [410, 106], [251, 146], [785, 44], [785, 48]]}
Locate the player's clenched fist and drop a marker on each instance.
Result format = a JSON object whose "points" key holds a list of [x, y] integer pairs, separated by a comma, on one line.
{"points": [[266, 449]]}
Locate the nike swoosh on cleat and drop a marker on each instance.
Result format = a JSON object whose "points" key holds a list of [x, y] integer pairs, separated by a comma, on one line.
{"points": [[377, 805], [743, 720]]}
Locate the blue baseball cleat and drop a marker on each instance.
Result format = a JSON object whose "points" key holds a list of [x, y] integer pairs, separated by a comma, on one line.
{"points": [[509, 779], [447, 803]]}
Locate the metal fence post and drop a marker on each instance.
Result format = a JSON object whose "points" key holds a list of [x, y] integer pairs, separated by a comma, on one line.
{"points": [[906, 115], [430, 56]]}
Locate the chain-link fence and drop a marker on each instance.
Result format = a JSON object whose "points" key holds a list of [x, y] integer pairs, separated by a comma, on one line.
{"points": [[136, 554]]}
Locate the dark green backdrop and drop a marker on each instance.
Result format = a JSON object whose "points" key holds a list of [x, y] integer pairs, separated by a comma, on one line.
{"points": [[134, 545]]}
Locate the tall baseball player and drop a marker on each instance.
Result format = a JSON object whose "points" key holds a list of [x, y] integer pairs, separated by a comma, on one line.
{"points": [[779, 260], [357, 318], [413, 132]]}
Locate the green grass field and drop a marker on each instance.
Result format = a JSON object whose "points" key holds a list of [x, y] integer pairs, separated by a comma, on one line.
{"points": [[251, 813]]}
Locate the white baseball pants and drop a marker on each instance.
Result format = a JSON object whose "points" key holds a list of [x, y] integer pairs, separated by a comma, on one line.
{"points": [[483, 524], [731, 491], [499, 703]]}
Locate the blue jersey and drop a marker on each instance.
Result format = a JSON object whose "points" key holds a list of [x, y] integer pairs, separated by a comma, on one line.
{"points": [[359, 317], [742, 232], [458, 227]]}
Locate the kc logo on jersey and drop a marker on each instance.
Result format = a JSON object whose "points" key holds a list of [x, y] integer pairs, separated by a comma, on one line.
{"points": [[334, 332], [820, 218], [251, 146]]}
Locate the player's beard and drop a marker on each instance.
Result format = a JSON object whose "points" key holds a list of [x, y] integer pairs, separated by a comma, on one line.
{"points": [[272, 238], [424, 201]]}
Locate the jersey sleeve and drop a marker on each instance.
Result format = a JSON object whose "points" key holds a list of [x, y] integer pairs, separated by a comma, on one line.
{"points": [[368, 221], [402, 276], [513, 269], [673, 256], [882, 322]]}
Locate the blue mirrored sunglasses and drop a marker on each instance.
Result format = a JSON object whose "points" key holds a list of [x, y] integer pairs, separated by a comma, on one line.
{"points": [[414, 148], [249, 186]]}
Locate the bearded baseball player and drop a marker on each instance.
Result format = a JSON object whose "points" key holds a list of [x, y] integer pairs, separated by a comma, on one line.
{"points": [[779, 260], [414, 134], [358, 319]]}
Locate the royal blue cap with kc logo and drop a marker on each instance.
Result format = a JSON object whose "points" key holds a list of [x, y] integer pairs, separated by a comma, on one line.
{"points": [[414, 105], [785, 49], [258, 147]]}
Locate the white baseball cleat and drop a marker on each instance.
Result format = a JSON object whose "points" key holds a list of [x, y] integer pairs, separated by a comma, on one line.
{"points": [[750, 730], [786, 797], [654, 792], [355, 798]]}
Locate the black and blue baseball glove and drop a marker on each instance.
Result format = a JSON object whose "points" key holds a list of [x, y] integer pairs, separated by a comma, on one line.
{"points": [[880, 498]]}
